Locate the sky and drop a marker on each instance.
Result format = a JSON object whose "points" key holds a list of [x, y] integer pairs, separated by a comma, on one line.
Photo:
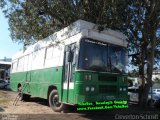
{"points": [[7, 47]]}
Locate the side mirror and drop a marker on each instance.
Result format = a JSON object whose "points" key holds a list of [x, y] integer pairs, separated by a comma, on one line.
{"points": [[116, 57], [70, 56]]}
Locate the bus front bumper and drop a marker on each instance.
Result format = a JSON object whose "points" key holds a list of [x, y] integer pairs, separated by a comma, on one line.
{"points": [[95, 98]]}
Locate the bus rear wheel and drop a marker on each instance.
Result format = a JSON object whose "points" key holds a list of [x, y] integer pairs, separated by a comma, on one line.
{"points": [[54, 101]]}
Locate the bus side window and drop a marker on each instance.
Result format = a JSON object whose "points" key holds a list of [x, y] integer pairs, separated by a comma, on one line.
{"points": [[26, 62], [14, 66], [20, 64], [48, 57], [30, 60], [49, 53]]}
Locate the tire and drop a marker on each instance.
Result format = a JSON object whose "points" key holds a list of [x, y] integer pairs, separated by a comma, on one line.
{"points": [[151, 103], [25, 97], [54, 101]]}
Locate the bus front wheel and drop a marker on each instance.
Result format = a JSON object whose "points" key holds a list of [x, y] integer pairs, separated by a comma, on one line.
{"points": [[54, 101]]}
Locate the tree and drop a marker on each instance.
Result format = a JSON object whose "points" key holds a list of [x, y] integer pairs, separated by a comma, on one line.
{"points": [[31, 20], [144, 43], [157, 80]]}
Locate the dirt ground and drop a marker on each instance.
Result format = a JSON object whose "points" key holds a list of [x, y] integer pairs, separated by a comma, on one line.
{"points": [[34, 106], [38, 109]]}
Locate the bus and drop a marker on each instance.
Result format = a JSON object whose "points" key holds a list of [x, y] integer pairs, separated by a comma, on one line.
{"points": [[74, 65]]}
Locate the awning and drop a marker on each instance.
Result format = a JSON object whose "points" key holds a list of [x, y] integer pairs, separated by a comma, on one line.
{"points": [[4, 65]]}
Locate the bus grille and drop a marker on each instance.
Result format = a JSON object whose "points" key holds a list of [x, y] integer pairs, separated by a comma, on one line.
{"points": [[107, 89], [107, 78]]}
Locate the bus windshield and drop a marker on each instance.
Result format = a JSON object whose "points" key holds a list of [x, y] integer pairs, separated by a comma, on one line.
{"points": [[102, 57]]}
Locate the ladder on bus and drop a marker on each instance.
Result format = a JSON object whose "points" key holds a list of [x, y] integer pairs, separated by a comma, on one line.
{"points": [[20, 93]]}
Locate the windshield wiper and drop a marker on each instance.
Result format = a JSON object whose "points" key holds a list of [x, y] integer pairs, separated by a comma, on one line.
{"points": [[97, 68]]}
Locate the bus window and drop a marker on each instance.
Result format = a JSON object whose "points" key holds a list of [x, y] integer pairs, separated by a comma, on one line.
{"points": [[49, 53], [117, 58], [26, 62], [93, 55], [14, 66], [20, 64]]}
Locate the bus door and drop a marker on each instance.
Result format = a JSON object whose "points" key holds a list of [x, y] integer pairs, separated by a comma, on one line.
{"points": [[68, 76], [27, 82], [28, 76]]}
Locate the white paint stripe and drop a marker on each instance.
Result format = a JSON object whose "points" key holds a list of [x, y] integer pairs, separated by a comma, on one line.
{"points": [[71, 86]]}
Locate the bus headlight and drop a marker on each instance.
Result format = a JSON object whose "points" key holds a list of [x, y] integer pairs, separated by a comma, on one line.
{"points": [[87, 89], [92, 89], [120, 89], [124, 89]]}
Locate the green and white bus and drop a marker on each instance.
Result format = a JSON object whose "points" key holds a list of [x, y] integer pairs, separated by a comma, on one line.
{"points": [[76, 64]]}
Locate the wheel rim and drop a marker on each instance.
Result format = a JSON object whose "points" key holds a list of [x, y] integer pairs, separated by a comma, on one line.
{"points": [[55, 101]]}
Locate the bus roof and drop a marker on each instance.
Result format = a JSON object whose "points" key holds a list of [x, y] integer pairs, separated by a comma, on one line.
{"points": [[87, 29], [5, 63]]}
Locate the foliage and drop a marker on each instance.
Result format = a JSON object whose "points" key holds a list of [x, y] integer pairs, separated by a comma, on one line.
{"points": [[144, 40], [133, 73], [32, 20], [157, 80]]}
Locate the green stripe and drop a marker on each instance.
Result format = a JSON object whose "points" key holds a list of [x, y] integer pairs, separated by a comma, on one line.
{"points": [[38, 81]]}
